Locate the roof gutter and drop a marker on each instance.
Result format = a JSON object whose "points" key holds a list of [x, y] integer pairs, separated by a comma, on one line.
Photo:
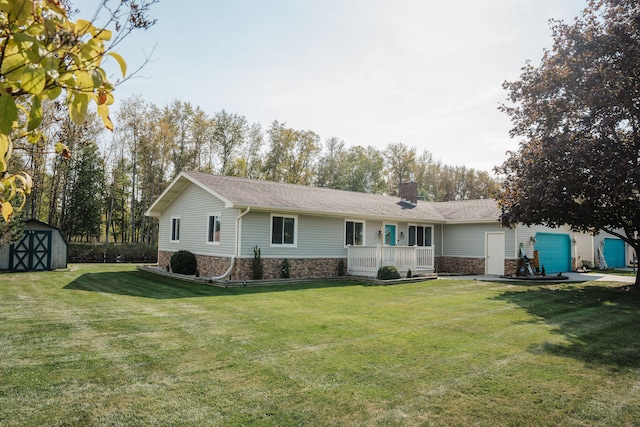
{"points": [[338, 214], [237, 252]]}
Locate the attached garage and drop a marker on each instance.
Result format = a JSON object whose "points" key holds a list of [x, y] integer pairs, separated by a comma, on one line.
{"points": [[614, 253], [42, 247], [554, 252]]}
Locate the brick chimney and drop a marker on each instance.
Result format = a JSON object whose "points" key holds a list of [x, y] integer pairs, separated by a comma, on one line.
{"points": [[409, 191]]}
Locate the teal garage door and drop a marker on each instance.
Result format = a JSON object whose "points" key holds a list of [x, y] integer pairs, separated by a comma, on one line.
{"points": [[614, 253], [554, 251]]}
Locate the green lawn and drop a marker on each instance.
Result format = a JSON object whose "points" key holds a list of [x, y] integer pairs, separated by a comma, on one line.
{"points": [[108, 345]]}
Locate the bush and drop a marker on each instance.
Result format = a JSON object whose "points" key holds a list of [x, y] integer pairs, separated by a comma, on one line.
{"points": [[183, 262], [113, 252], [257, 271], [388, 273], [284, 269]]}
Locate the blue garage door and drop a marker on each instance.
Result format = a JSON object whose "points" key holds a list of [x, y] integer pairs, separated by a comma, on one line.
{"points": [[554, 251], [614, 253]]}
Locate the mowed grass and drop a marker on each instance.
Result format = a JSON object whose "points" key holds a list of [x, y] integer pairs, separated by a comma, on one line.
{"points": [[109, 345]]}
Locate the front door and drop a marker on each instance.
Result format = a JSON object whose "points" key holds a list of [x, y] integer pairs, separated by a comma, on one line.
{"points": [[494, 263], [389, 235]]}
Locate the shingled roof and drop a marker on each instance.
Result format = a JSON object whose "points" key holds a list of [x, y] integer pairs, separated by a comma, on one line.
{"points": [[481, 210], [242, 193]]}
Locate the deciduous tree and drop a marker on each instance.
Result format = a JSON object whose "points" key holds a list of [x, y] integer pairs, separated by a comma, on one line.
{"points": [[44, 55], [292, 154], [366, 174], [332, 165], [401, 162], [229, 133], [578, 114]]}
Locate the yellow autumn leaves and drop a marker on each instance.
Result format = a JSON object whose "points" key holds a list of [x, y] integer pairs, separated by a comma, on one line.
{"points": [[44, 55]]}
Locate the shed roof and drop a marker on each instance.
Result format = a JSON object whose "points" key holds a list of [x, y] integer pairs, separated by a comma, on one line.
{"points": [[33, 223], [243, 193]]}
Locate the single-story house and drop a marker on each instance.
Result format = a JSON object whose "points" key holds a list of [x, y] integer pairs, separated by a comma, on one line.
{"points": [[221, 219], [42, 247]]}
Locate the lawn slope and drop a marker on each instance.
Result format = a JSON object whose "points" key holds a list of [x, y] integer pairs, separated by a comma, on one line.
{"points": [[109, 345]]}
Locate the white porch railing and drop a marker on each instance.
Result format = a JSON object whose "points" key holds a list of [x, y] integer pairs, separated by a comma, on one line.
{"points": [[425, 257], [366, 260]]}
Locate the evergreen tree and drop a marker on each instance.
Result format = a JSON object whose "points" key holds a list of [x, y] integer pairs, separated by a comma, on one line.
{"points": [[85, 200]]}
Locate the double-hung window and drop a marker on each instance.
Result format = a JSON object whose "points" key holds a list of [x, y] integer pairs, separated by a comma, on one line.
{"points": [[175, 229], [420, 235], [354, 233], [283, 230], [213, 229]]}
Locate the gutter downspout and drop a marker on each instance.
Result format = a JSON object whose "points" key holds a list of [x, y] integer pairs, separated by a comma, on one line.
{"points": [[237, 251]]}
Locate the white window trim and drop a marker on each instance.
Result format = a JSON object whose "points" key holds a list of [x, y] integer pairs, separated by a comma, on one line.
{"points": [[213, 243], [411, 224], [295, 231], [171, 231], [364, 231]]}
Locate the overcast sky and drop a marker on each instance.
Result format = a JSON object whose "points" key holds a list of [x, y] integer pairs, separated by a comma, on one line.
{"points": [[422, 72]]}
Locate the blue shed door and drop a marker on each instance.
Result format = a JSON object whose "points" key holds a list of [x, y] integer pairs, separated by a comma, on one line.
{"points": [[614, 253], [554, 251]]}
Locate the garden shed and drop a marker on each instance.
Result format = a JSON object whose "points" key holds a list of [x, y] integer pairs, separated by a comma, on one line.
{"points": [[42, 247]]}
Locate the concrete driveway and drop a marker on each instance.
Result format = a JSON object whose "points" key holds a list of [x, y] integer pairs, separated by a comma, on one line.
{"points": [[572, 278]]}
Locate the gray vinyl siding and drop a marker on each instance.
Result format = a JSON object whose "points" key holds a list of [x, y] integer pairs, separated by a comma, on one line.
{"points": [[372, 233], [317, 237], [469, 240], [321, 237], [437, 239], [510, 236], [255, 232], [193, 205]]}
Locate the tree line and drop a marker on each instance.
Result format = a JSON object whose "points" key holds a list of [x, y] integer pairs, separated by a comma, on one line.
{"points": [[99, 190]]}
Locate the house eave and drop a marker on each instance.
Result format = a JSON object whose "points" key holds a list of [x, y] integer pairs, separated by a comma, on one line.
{"points": [[472, 221], [335, 214]]}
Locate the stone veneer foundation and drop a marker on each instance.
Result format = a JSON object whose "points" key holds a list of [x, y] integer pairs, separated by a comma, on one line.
{"points": [[470, 265], [212, 266]]}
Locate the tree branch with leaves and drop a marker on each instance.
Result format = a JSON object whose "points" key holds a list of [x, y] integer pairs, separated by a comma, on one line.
{"points": [[578, 114], [46, 55]]}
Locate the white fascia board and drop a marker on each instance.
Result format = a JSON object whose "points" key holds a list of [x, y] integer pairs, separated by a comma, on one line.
{"points": [[467, 221], [334, 214], [163, 196]]}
